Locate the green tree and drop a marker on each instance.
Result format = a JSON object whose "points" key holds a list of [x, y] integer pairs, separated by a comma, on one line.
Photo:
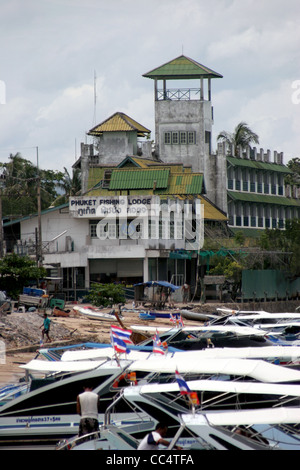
{"points": [[286, 243], [16, 272], [294, 166], [106, 294], [242, 137], [19, 186], [69, 184]]}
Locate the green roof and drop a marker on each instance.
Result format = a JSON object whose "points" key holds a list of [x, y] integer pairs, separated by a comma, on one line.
{"points": [[183, 183], [141, 179], [182, 68], [263, 199], [255, 164]]}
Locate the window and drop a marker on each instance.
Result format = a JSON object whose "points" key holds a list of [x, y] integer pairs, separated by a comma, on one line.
{"points": [[167, 137], [182, 138], [245, 185], [175, 138], [191, 137], [179, 137], [106, 178], [93, 229]]}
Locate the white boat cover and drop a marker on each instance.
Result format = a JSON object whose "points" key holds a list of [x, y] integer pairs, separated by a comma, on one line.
{"points": [[270, 416], [285, 353], [223, 386], [38, 365], [97, 353], [260, 370], [239, 330]]}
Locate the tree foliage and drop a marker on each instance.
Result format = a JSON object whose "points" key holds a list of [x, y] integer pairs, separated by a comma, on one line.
{"points": [[16, 272], [242, 137], [69, 184], [19, 179], [285, 241], [106, 294], [294, 166], [19, 186]]}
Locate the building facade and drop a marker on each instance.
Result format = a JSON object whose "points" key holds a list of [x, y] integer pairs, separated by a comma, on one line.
{"points": [[93, 239]]}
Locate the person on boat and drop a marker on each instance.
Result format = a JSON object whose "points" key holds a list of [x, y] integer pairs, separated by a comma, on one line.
{"points": [[46, 327], [152, 440], [87, 408]]}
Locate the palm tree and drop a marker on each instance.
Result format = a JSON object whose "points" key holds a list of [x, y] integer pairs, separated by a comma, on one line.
{"points": [[70, 185], [242, 137]]}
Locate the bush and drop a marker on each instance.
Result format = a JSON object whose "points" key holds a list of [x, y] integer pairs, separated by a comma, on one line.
{"points": [[106, 294]]}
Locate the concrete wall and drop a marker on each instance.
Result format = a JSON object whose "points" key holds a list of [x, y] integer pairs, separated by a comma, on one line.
{"points": [[113, 147], [185, 116]]}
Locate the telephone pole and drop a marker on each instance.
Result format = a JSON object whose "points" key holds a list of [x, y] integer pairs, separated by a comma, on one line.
{"points": [[39, 232]]}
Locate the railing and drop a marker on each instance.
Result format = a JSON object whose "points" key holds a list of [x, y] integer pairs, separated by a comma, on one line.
{"points": [[179, 94]]}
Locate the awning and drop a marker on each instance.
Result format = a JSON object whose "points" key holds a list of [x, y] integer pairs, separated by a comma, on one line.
{"points": [[158, 283]]}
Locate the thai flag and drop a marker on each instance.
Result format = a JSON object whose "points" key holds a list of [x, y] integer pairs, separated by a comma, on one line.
{"points": [[157, 346], [122, 334], [177, 320], [183, 386], [119, 345], [120, 338]]}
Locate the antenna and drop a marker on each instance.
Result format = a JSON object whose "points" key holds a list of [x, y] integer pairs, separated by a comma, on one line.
{"points": [[95, 95]]}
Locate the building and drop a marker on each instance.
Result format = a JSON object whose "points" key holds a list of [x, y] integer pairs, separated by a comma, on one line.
{"points": [[93, 239], [258, 194]]}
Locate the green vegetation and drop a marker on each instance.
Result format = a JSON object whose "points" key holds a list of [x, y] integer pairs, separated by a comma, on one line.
{"points": [[16, 272], [19, 182], [106, 294]]}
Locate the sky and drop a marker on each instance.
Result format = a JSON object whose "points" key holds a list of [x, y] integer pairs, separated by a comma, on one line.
{"points": [[67, 65]]}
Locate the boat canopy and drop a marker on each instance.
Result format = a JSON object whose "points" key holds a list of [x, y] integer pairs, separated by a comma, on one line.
{"points": [[281, 415], [38, 365], [223, 386], [259, 370]]}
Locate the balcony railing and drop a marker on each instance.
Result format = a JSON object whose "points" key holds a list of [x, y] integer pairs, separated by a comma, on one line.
{"points": [[179, 94]]}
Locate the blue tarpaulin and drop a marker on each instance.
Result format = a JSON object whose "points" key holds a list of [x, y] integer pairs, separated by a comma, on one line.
{"points": [[158, 283]]}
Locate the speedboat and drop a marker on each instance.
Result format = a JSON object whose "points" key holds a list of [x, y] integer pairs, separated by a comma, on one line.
{"points": [[47, 413], [264, 429]]}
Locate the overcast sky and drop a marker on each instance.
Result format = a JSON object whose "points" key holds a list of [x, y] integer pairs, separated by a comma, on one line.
{"points": [[52, 50]]}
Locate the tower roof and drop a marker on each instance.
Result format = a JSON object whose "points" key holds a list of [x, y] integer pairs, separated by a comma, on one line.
{"points": [[182, 68], [119, 122]]}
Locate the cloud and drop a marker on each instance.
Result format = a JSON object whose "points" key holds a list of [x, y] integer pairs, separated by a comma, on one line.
{"points": [[52, 49]]}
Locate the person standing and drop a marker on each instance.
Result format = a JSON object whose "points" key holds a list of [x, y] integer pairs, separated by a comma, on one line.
{"points": [[46, 327], [87, 408], [185, 292]]}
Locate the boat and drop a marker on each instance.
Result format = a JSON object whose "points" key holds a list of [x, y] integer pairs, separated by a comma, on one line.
{"points": [[190, 365], [285, 324], [227, 404], [94, 313], [198, 316], [190, 338], [264, 429], [222, 403], [46, 413], [237, 329], [147, 316]]}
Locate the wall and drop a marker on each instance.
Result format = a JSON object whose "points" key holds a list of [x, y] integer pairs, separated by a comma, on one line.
{"points": [[269, 285]]}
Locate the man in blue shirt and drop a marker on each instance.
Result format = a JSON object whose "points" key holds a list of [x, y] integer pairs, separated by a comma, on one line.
{"points": [[46, 327]]}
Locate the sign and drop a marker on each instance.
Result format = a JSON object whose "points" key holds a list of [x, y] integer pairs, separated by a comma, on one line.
{"points": [[119, 206]]}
